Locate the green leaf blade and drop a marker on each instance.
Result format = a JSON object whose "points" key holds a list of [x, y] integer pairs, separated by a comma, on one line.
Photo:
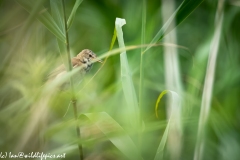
{"points": [[182, 12], [73, 13], [45, 18], [127, 83], [58, 16], [173, 124]]}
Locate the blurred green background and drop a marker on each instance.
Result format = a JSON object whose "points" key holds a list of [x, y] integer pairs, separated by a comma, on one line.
{"points": [[29, 52]]}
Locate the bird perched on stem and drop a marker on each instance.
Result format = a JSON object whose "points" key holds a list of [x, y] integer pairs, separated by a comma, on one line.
{"points": [[84, 60]]}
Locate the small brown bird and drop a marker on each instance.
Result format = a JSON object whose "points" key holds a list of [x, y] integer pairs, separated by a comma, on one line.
{"points": [[84, 59]]}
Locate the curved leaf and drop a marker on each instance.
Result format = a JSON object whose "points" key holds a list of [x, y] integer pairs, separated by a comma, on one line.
{"points": [[174, 104], [127, 83], [158, 101]]}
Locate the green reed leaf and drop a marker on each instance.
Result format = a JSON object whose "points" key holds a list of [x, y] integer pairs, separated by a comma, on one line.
{"points": [[181, 13], [58, 16], [73, 13], [127, 83], [44, 17], [173, 123]]}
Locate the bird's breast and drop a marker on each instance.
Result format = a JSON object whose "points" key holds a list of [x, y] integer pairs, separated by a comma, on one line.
{"points": [[88, 67]]}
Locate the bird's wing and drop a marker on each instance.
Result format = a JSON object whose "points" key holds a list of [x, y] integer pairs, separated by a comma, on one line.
{"points": [[62, 69], [56, 72], [75, 62]]}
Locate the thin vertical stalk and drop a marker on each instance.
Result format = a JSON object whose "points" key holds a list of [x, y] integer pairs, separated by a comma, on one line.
{"points": [[142, 67], [74, 100], [142, 55], [208, 84]]}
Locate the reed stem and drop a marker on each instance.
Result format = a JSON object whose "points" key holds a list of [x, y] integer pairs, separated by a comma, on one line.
{"points": [[74, 100]]}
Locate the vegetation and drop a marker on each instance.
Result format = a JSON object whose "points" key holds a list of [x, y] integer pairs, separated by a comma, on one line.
{"points": [[168, 88]]}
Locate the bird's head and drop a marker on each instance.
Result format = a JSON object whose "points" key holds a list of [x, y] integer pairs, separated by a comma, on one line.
{"points": [[87, 55]]}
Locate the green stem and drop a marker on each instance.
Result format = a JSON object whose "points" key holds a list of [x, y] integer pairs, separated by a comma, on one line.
{"points": [[74, 100], [142, 55], [142, 68]]}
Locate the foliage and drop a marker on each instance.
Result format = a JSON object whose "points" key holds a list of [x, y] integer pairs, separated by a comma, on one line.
{"points": [[114, 122]]}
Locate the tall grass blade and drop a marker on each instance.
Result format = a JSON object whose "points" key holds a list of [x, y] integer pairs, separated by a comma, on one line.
{"points": [[173, 123], [115, 133], [160, 151], [209, 79], [164, 28], [142, 55], [182, 12], [57, 14], [186, 9], [45, 18], [127, 83], [73, 12], [172, 78], [141, 86]]}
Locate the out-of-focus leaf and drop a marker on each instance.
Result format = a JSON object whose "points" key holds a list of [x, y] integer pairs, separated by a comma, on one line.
{"points": [[109, 127], [13, 108], [127, 83], [72, 15], [164, 29], [57, 13], [159, 154], [142, 62], [58, 16], [43, 17], [186, 9], [209, 81], [181, 13], [175, 104]]}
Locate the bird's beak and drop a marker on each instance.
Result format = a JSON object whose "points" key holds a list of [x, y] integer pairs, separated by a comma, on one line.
{"points": [[100, 61], [96, 59]]}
